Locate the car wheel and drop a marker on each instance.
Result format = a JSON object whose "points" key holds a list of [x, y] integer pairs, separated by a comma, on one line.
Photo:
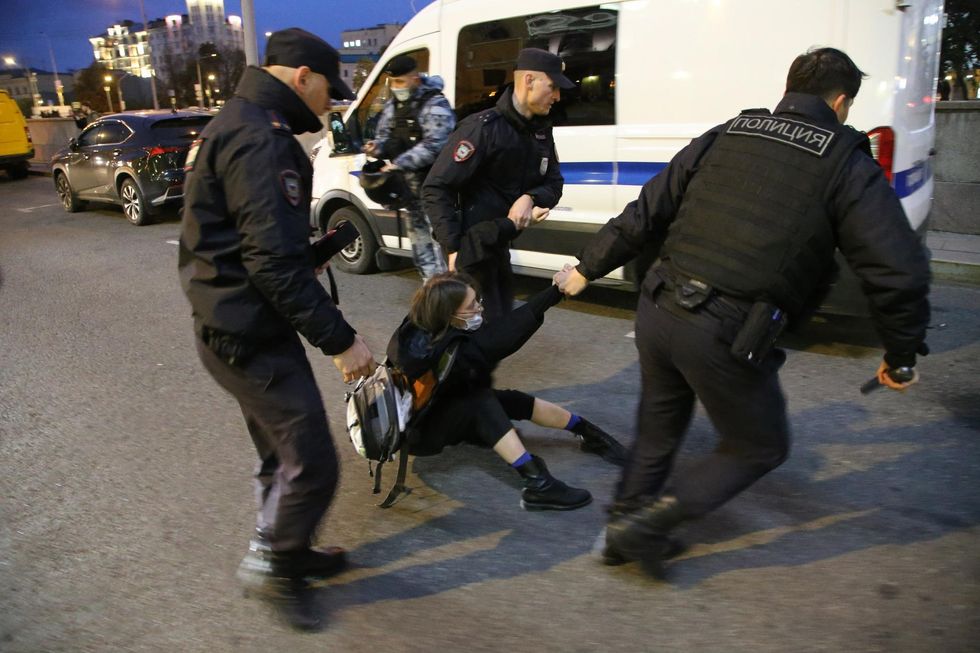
{"points": [[359, 256], [19, 170], [134, 206], [66, 194]]}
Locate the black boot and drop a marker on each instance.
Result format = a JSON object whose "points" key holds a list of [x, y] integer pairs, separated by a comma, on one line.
{"points": [[595, 440], [542, 491], [261, 563], [640, 534], [618, 510]]}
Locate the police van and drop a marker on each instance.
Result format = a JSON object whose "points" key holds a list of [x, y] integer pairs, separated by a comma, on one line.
{"points": [[650, 76]]}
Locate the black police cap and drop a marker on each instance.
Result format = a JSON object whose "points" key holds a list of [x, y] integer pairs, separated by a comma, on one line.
{"points": [[543, 61], [295, 47], [401, 65]]}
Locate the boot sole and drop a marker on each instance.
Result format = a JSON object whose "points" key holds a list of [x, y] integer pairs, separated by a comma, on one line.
{"points": [[533, 507]]}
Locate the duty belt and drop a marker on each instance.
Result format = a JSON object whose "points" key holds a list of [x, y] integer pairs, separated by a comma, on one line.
{"points": [[729, 310]]}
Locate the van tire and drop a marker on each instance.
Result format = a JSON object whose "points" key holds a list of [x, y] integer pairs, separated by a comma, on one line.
{"points": [[359, 256], [19, 170], [69, 202]]}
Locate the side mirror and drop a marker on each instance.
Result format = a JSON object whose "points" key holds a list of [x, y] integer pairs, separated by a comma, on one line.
{"points": [[341, 139], [73, 143]]}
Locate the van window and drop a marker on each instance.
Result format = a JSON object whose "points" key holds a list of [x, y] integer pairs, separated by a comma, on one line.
{"points": [[369, 110], [584, 38]]}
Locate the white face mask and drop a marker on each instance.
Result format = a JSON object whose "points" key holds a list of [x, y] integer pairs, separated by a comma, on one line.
{"points": [[401, 94], [472, 323]]}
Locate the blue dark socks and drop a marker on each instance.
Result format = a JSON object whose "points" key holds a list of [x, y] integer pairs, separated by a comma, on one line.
{"points": [[525, 458]]}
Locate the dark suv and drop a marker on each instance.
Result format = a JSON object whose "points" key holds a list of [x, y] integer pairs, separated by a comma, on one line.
{"points": [[133, 159]]}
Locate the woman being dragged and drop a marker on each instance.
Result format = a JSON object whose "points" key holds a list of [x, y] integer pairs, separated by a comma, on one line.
{"points": [[444, 336]]}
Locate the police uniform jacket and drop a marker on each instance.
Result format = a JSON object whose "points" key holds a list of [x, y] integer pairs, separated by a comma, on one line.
{"points": [[492, 158], [868, 225], [245, 261]]}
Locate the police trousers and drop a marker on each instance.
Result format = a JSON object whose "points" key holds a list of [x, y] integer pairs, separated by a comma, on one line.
{"points": [[684, 356], [296, 474], [495, 279], [426, 253]]}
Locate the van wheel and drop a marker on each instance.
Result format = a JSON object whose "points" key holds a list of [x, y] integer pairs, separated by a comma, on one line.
{"points": [[68, 200], [19, 170], [133, 203], [359, 256]]}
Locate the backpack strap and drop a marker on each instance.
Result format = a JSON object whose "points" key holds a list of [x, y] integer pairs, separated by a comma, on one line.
{"points": [[399, 487]]}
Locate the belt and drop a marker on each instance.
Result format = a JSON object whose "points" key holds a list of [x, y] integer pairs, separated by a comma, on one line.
{"points": [[729, 310]]}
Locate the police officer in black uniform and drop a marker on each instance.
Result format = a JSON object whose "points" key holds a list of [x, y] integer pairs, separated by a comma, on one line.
{"points": [[752, 211], [499, 163], [247, 268]]}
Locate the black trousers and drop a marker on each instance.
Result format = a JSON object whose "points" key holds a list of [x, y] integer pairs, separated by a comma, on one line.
{"points": [[296, 473], [687, 356], [495, 277], [480, 417]]}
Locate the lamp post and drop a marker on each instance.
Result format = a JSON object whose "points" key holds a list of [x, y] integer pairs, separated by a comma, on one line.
{"points": [[209, 92], [108, 96], [31, 79], [200, 83]]}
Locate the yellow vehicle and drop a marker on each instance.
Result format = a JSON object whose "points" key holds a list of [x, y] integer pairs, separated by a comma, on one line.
{"points": [[16, 147]]}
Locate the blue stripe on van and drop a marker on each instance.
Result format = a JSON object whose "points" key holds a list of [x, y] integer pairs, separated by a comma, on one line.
{"points": [[607, 173], [908, 181]]}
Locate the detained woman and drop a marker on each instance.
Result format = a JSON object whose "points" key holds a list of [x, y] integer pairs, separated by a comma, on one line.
{"points": [[444, 336]]}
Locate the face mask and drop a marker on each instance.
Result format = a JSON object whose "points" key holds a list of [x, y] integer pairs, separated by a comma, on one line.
{"points": [[473, 322], [401, 94]]}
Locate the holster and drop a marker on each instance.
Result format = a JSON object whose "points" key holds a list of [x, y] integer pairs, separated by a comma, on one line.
{"points": [[757, 337]]}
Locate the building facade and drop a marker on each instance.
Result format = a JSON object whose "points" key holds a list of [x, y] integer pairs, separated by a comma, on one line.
{"points": [[366, 43]]}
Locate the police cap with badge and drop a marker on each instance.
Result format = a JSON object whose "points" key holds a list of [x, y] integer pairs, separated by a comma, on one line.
{"points": [[295, 47]]}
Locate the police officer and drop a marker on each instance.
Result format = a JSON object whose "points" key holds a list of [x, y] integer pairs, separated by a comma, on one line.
{"points": [[247, 267], [414, 126], [752, 211], [498, 164]]}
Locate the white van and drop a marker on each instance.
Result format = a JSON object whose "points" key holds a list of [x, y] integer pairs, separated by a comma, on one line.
{"points": [[650, 75]]}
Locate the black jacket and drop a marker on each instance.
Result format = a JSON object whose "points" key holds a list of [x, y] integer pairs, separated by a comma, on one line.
{"points": [[245, 261], [415, 351], [867, 218], [492, 158]]}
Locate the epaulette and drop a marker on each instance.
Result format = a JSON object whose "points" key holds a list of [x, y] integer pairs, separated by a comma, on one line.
{"points": [[277, 121], [489, 115]]}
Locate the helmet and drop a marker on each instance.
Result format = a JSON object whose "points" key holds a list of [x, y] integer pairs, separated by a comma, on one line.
{"points": [[386, 188]]}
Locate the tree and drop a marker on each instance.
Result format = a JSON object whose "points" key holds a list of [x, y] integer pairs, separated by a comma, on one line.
{"points": [[363, 69], [89, 87], [961, 40], [229, 69]]}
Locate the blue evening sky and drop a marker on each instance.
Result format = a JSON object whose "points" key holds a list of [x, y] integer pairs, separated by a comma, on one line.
{"points": [[26, 25]]}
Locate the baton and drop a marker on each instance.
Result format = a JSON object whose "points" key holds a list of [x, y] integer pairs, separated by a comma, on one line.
{"points": [[898, 375]]}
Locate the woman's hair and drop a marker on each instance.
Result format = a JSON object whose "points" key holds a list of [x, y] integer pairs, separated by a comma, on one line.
{"points": [[435, 302]]}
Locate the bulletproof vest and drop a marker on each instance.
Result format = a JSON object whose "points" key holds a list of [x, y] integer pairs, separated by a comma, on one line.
{"points": [[753, 222], [406, 131]]}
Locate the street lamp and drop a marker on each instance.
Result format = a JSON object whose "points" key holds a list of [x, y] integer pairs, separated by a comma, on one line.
{"points": [[31, 79], [108, 96], [210, 84], [109, 79]]}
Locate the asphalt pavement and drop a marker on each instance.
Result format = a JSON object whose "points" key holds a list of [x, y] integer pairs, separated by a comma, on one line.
{"points": [[125, 501]]}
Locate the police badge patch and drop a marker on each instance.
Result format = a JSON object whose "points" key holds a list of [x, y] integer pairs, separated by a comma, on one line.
{"points": [[192, 154], [292, 186], [463, 151]]}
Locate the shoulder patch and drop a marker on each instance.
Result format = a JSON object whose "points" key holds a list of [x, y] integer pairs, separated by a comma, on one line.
{"points": [[292, 186], [277, 121], [192, 154], [809, 138], [463, 151]]}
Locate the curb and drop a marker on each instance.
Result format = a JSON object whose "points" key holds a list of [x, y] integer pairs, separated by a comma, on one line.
{"points": [[967, 273]]}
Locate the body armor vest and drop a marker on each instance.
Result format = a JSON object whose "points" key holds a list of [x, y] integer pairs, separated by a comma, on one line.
{"points": [[406, 131], [753, 222]]}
